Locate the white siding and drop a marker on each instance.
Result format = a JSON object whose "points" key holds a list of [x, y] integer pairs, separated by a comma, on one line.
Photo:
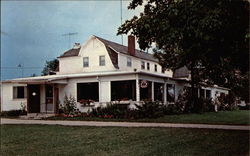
{"points": [[92, 49], [69, 65], [136, 64], [104, 91], [7, 101]]}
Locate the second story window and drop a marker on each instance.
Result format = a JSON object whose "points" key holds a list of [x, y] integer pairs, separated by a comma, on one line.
{"points": [[129, 61], [85, 61], [148, 66], [142, 65], [155, 67], [101, 60]]}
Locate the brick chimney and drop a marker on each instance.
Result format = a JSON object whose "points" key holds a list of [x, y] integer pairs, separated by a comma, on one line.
{"points": [[77, 46], [131, 45]]}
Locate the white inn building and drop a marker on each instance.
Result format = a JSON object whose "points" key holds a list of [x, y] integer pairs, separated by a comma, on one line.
{"points": [[100, 71]]}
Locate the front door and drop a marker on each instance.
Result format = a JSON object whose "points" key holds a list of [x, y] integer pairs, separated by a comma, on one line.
{"points": [[49, 98], [33, 98]]}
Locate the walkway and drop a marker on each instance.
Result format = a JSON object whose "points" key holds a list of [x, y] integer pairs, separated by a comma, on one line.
{"points": [[123, 124]]}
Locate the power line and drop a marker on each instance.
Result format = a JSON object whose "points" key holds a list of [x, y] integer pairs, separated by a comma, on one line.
{"points": [[22, 67]]}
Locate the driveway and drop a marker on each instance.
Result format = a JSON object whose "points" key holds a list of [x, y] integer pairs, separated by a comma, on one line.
{"points": [[123, 124]]}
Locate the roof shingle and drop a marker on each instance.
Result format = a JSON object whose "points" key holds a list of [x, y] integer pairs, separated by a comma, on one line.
{"points": [[71, 52]]}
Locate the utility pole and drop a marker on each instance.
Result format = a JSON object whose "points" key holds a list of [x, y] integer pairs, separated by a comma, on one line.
{"points": [[69, 35], [21, 67]]}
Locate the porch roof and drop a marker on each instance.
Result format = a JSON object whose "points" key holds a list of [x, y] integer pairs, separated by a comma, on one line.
{"points": [[54, 78], [62, 79]]}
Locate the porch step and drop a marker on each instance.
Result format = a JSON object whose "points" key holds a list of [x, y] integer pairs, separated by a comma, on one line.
{"points": [[36, 116]]}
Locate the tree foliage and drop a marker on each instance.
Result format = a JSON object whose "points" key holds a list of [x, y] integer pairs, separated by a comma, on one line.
{"points": [[210, 37], [50, 66]]}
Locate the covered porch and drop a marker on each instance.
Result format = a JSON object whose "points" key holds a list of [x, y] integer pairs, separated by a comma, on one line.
{"points": [[138, 87], [42, 98], [42, 95]]}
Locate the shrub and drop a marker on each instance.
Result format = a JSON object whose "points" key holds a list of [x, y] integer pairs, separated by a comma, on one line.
{"points": [[172, 109], [112, 110], [150, 109], [13, 113], [69, 106], [227, 102], [187, 104], [116, 110], [23, 106], [247, 107]]}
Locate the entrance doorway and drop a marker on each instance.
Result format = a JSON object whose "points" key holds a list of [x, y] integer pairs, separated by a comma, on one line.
{"points": [[33, 98]]}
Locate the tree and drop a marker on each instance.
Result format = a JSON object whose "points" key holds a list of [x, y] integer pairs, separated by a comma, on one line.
{"points": [[50, 66], [210, 37], [33, 75]]}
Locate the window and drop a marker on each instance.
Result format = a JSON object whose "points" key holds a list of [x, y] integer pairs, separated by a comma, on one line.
{"points": [[102, 60], [19, 92], [202, 93], [129, 61], [155, 67], [158, 91], [145, 90], [88, 91], [142, 65], [123, 90], [170, 92], [85, 61], [148, 66]]}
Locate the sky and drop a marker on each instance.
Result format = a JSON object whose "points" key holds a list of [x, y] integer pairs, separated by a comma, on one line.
{"points": [[32, 31]]}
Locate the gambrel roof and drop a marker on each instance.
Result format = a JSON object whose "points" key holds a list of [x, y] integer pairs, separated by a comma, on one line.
{"points": [[124, 49], [113, 47]]}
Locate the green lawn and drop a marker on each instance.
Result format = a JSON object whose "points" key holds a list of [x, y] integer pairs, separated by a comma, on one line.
{"points": [[47, 140], [238, 117]]}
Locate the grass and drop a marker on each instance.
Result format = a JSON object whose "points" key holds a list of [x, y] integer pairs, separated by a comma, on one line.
{"points": [[238, 117], [40, 140]]}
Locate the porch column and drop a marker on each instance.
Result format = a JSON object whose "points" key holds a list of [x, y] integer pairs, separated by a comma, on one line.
{"points": [[56, 99], [137, 88], [165, 93], [104, 91], [153, 91]]}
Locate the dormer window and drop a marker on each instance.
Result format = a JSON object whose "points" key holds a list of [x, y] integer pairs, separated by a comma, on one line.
{"points": [[155, 67], [148, 66], [129, 61], [142, 65], [102, 60], [85, 61]]}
